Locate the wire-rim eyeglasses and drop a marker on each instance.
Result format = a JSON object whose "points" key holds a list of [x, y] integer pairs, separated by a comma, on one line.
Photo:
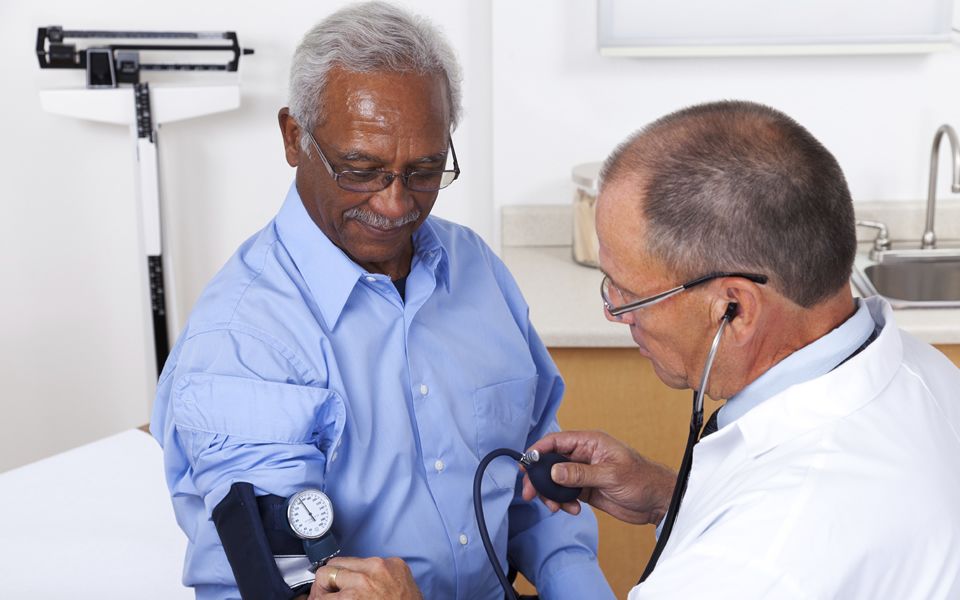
{"points": [[375, 180], [616, 311]]}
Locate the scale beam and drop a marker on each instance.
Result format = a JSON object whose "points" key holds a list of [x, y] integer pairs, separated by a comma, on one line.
{"points": [[106, 98]]}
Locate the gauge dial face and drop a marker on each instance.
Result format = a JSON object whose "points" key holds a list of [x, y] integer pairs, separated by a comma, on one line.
{"points": [[310, 514]]}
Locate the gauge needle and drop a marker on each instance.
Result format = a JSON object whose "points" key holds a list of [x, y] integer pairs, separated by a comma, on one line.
{"points": [[307, 509]]}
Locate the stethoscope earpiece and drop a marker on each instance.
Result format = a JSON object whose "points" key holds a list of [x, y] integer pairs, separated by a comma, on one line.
{"points": [[731, 312]]}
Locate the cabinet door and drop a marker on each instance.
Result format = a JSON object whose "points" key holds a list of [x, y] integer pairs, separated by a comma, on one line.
{"points": [[617, 391]]}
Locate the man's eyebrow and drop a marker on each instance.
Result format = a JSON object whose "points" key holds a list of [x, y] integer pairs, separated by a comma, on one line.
{"points": [[357, 155], [437, 157], [360, 156], [623, 291]]}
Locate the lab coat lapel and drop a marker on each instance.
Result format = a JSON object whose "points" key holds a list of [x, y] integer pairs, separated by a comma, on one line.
{"points": [[797, 410]]}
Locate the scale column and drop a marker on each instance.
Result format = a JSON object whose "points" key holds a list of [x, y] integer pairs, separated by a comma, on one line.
{"points": [[150, 213]]}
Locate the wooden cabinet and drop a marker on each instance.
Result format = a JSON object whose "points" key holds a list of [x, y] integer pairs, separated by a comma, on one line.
{"points": [[616, 390]]}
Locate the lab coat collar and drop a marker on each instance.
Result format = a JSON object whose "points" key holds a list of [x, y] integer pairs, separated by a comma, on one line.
{"points": [[806, 406]]}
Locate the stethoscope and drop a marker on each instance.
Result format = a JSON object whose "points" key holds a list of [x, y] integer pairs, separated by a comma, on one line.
{"points": [[696, 424], [538, 468]]}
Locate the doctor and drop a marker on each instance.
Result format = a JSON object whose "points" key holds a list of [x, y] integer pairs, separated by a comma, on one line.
{"points": [[834, 469]]}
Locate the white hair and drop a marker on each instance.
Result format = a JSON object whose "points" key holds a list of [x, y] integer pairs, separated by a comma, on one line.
{"points": [[372, 36]]}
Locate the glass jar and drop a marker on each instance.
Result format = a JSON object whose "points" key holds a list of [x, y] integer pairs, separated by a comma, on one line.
{"points": [[586, 247]]}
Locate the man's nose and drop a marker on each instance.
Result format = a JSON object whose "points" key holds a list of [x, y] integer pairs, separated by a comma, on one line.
{"points": [[394, 201], [625, 319]]}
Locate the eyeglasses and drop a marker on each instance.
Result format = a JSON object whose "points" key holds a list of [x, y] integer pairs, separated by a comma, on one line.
{"points": [[607, 286], [374, 180]]}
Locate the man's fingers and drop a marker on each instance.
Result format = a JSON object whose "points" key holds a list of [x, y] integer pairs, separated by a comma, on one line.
{"points": [[330, 578], [574, 474], [346, 562], [360, 565], [577, 445], [529, 492], [563, 442]]}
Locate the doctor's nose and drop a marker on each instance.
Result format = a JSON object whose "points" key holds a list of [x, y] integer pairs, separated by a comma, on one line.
{"points": [[624, 319]]}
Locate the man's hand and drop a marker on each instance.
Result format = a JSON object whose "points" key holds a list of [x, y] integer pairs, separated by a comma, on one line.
{"points": [[365, 578], [614, 477]]}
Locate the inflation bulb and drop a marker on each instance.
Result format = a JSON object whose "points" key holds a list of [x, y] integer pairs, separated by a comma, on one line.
{"points": [[538, 469]]}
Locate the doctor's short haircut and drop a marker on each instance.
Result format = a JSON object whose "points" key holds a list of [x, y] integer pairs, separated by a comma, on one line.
{"points": [[371, 36], [739, 186]]}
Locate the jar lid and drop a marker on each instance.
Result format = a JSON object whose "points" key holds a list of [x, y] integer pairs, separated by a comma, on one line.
{"points": [[587, 175]]}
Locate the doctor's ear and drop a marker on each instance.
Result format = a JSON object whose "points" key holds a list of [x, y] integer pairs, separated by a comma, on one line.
{"points": [[740, 304]]}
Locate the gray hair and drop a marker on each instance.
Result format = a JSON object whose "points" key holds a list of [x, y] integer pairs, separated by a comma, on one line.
{"points": [[740, 186], [372, 36]]}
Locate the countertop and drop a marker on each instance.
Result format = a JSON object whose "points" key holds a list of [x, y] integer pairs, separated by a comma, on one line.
{"points": [[565, 305]]}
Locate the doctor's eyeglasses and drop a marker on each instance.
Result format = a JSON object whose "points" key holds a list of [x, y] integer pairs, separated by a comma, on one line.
{"points": [[609, 290], [375, 180]]}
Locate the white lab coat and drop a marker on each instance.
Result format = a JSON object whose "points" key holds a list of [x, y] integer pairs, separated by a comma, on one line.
{"points": [[846, 486]]}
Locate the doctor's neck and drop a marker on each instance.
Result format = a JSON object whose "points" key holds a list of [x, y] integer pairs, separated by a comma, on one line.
{"points": [[781, 329]]}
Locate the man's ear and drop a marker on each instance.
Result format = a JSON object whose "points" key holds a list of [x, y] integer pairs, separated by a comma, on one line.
{"points": [[749, 306], [290, 130]]}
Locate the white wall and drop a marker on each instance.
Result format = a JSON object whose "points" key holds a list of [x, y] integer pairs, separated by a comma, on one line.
{"points": [[538, 99], [557, 102], [74, 364]]}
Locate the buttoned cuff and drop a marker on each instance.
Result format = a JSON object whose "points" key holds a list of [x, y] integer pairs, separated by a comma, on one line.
{"points": [[574, 577]]}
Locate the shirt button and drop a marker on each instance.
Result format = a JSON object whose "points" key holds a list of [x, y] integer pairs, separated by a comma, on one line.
{"points": [[463, 539], [371, 279], [334, 457], [438, 465], [424, 389]]}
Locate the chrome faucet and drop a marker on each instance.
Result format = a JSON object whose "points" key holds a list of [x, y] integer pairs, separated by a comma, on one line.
{"points": [[881, 243], [929, 239]]}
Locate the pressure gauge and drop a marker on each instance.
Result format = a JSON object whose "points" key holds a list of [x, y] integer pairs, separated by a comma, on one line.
{"points": [[310, 514]]}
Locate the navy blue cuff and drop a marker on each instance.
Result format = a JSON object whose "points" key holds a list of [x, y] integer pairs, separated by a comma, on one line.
{"points": [[248, 533]]}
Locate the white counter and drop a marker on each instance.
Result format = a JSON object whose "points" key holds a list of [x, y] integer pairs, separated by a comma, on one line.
{"points": [[565, 305]]}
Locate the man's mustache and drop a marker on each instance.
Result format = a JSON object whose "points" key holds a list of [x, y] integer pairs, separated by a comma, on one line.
{"points": [[379, 221]]}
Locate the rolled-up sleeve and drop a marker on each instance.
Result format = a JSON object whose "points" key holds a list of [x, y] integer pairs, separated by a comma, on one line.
{"points": [[271, 435], [239, 410]]}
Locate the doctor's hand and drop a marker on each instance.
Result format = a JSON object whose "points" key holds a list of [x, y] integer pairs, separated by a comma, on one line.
{"points": [[365, 578], [614, 477]]}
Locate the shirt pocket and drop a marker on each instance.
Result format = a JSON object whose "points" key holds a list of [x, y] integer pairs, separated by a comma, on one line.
{"points": [[504, 413], [259, 411]]}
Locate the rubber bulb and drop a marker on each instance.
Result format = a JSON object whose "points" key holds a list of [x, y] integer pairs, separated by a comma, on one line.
{"points": [[539, 473]]}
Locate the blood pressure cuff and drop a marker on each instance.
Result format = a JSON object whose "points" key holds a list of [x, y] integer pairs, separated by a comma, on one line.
{"points": [[267, 559]]}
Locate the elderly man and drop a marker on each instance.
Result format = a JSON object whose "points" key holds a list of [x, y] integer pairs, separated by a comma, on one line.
{"points": [[833, 471], [362, 348]]}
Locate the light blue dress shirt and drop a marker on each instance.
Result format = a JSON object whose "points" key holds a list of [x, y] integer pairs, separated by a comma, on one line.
{"points": [[298, 369]]}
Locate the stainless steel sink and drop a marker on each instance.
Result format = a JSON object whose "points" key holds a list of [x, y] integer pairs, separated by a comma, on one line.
{"points": [[928, 277], [912, 278]]}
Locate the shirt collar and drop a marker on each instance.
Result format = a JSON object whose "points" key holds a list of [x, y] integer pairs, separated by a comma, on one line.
{"points": [[430, 251], [813, 360], [328, 272]]}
